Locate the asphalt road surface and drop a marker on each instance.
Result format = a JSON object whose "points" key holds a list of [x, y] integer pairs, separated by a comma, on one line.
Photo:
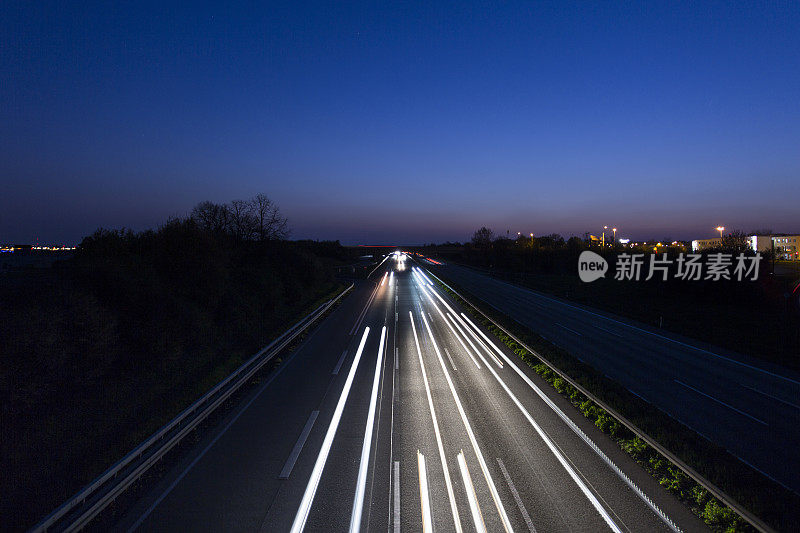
{"points": [[747, 406], [399, 414]]}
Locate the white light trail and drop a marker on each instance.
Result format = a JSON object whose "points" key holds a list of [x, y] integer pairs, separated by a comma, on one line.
{"points": [[485, 469], [358, 502], [477, 518], [437, 433], [444, 318], [313, 482], [444, 302], [427, 522]]}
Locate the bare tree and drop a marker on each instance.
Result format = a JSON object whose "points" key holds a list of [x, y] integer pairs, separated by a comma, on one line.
{"points": [[211, 217], [735, 241], [241, 220], [269, 224], [483, 237]]}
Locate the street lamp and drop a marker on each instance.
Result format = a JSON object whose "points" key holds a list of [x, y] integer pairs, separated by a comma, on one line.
{"points": [[531, 239], [720, 229], [604, 235], [613, 244]]}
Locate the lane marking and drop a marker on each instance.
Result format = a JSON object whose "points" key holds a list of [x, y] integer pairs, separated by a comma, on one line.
{"points": [[313, 482], [363, 312], [608, 331], [425, 504], [298, 447], [397, 497], [339, 364], [472, 498], [358, 501], [450, 358], [448, 482], [720, 402], [525, 515], [568, 329], [396, 359], [770, 396], [485, 469]]}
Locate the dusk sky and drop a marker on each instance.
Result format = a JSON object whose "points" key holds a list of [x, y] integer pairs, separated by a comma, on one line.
{"points": [[404, 124]]}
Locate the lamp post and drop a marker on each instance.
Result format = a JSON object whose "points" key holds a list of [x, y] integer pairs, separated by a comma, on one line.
{"points": [[531, 240], [720, 229], [614, 243], [604, 235]]}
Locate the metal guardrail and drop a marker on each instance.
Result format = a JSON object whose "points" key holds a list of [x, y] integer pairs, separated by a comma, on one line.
{"points": [[90, 501], [753, 520]]}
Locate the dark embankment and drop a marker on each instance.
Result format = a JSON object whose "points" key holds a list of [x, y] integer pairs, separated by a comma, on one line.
{"points": [[102, 349]]}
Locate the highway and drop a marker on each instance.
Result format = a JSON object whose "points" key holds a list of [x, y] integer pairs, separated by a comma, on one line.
{"points": [[749, 407], [398, 413]]}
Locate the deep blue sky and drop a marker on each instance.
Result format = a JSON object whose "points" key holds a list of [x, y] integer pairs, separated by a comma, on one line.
{"points": [[412, 123]]}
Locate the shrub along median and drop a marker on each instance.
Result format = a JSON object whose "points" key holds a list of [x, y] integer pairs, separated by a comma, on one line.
{"points": [[774, 504]]}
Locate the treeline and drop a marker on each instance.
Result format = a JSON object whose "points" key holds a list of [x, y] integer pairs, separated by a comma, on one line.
{"points": [[723, 312], [255, 219], [100, 350]]}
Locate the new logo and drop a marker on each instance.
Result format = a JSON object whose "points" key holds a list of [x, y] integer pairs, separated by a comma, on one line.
{"points": [[591, 266]]}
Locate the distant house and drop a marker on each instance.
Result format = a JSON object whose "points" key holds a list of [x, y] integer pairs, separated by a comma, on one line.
{"points": [[760, 243], [785, 246], [704, 244]]}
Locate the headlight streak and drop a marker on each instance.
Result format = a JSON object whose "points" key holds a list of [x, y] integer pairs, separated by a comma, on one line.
{"points": [[358, 501], [313, 482], [458, 338], [477, 518], [444, 302], [383, 279], [550, 444], [482, 344], [425, 276], [460, 330], [482, 334], [492, 489], [440, 446], [427, 522]]}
